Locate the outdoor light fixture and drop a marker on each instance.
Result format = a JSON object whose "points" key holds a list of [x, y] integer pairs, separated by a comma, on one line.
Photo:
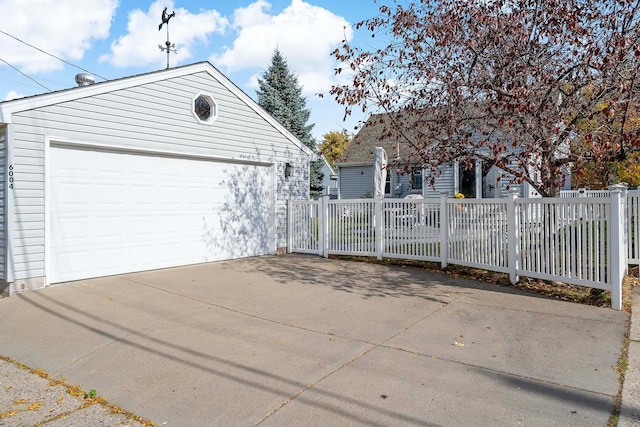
{"points": [[287, 170]]}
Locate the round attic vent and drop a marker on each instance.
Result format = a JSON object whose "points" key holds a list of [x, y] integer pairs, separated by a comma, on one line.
{"points": [[84, 79]]}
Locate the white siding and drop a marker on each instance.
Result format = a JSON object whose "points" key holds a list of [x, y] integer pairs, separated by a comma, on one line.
{"points": [[3, 207], [153, 116]]}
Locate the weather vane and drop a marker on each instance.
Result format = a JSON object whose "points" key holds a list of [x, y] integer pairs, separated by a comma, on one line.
{"points": [[168, 46]]}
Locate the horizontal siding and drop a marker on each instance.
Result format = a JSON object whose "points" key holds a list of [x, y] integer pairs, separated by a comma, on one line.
{"points": [[155, 116], [356, 182], [3, 204], [444, 181], [402, 179]]}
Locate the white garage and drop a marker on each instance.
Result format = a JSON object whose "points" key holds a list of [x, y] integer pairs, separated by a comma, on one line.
{"points": [[99, 180]]}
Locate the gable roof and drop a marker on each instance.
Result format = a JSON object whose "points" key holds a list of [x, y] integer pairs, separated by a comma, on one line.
{"points": [[370, 136], [327, 164], [8, 108]]}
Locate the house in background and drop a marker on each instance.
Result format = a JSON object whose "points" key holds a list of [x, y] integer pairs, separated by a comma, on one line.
{"points": [[156, 170], [329, 180], [406, 174]]}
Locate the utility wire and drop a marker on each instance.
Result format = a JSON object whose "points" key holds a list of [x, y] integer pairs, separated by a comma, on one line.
{"points": [[27, 76], [50, 54]]}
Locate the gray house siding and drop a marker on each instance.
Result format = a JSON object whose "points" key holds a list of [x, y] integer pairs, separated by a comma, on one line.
{"points": [[154, 116], [356, 182], [401, 184], [443, 182]]}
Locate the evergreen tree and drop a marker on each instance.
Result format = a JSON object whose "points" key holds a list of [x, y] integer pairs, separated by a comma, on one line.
{"points": [[280, 94]]}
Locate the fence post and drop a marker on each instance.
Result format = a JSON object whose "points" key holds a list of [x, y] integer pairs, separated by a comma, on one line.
{"points": [[444, 230], [616, 241], [513, 236], [289, 226], [323, 224], [624, 259], [379, 226]]}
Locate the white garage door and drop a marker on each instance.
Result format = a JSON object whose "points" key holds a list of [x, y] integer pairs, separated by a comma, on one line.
{"points": [[114, 212]]}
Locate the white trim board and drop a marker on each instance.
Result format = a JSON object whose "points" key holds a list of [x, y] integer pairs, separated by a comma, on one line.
{"points": [[8, 108]]}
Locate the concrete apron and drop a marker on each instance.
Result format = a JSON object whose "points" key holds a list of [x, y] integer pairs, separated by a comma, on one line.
{"points": [[301, 340]]}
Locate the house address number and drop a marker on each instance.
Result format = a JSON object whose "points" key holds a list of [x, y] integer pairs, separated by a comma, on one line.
{"points": [[11, 176]]}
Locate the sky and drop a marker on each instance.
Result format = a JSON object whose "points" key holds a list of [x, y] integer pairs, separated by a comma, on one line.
{"points": [[113, 39]]}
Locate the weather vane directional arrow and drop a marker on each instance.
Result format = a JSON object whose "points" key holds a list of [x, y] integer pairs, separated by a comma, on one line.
{"points": [[169, 47]]}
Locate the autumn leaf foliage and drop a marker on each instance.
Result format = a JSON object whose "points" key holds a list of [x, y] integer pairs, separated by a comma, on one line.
{"points": [[512, 83]]}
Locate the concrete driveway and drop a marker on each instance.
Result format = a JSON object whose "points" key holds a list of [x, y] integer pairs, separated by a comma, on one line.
{"points": [[301, 340]]}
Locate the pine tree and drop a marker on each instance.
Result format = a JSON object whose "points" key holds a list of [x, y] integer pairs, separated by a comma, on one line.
{"points": [[280, 94]]}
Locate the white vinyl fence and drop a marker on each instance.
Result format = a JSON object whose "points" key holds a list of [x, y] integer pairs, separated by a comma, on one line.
{"points": [[632, 221], [584, 193], [576, 240], [632, 231]]}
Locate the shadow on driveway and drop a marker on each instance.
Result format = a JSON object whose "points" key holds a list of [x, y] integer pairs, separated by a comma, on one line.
{"points": [[303, 340]]}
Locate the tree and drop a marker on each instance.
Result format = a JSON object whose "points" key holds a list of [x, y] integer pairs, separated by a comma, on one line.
{"points": [[333, 145], [506, 82], [600, 173], [280, 94]]}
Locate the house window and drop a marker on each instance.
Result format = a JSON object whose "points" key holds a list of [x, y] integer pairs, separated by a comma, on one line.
{"points": [[387, 183], [467, 180], [204, 108], [416, 179]]}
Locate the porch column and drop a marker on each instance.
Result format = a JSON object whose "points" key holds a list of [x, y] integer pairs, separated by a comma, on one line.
{"points": [[478, 179], [456, 177]]}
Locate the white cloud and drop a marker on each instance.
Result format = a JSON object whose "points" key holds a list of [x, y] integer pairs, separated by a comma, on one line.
{"points": [[59, 27], [305, 34], [139, 46], [13, 95]]}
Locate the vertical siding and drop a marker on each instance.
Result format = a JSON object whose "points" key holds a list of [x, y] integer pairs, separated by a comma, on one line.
{"points": [[356, 182], [153, 116]]}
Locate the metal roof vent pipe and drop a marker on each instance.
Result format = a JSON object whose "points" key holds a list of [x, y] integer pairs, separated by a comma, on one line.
{"points": [[84, 79]]}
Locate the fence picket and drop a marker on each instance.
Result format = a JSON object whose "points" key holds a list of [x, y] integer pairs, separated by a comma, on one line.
{"points": [[571, 239]]}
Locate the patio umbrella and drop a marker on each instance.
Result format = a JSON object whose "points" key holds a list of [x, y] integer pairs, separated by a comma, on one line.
{"points": [[379, 172]]}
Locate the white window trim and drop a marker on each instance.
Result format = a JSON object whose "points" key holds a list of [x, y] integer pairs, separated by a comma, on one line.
{"points": [[214, 107]]}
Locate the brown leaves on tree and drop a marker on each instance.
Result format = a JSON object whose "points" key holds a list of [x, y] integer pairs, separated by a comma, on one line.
{"points": [[518, 84]]}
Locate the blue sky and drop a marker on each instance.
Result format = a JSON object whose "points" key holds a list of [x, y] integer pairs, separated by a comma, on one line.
{"points": [[114, 39]]}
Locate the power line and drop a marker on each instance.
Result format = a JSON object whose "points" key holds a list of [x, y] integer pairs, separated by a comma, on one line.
{"points": [[27, 76], [51, 55]]}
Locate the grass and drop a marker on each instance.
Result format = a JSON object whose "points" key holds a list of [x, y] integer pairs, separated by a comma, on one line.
{"points": [[90, 398]]}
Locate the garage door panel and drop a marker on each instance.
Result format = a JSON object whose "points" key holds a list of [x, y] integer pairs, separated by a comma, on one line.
{"points": [[73, 229], [72, 261], [110, 229], [122, 212], [142, 194], [77, 196], [110, 195]]}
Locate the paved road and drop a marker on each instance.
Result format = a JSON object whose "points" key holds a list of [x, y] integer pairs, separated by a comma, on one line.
{"points": [[301, 340]]}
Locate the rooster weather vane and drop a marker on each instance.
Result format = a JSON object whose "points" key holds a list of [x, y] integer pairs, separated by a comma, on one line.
{"points": [[169, 47]]}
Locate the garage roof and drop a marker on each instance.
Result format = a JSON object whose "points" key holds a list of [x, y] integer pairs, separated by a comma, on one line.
{"points": [[7, 108]]}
